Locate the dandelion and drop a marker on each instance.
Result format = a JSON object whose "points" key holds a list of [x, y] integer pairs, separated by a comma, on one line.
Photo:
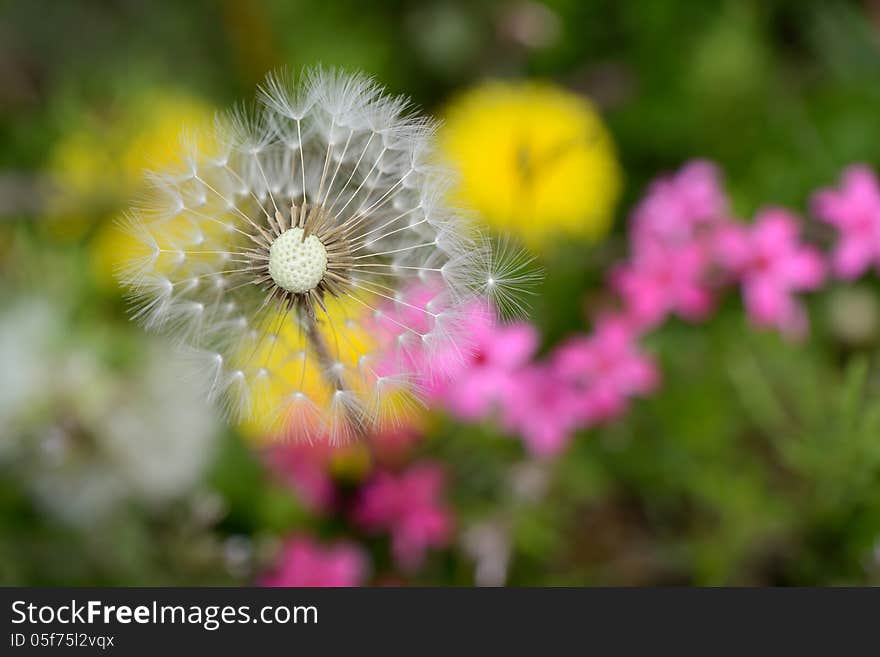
{"points": [[284, 258], [535, 160]]}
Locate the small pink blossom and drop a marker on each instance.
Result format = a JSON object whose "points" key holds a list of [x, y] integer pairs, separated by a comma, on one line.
{"points": [[772, 265], [406, 334], [305, 468], [670, 237], [409, 506], [540, 408], [486, 372], [395, 319], [607, 368], [663, 281], [304, 562], [678, 207], [854, 210]]}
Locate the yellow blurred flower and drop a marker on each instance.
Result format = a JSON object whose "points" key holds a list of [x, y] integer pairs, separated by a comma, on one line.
{"points": [[155, 143], [107, 155], [98, 166], [535, 160]]}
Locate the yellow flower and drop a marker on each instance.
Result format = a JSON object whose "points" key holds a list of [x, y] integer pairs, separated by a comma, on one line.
{"points": [[535, 160], [155, 143], [98, 166], [107, 156]]}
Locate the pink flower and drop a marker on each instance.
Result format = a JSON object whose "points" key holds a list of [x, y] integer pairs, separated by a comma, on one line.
{"points": [[772, 265], [854, 210], [409, 342], [409, 507], [471, 375], [678, 207], [304, 467], [606, 368], [304, 562], [671, 236], [589, 379], [661, 281], [540, 408], [486, 373]]}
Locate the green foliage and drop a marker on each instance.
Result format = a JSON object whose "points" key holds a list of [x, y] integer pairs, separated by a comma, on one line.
{"points": [[756, 462]]}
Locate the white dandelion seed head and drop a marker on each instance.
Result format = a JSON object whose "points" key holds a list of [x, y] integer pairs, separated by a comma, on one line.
{"points": [[309, 258]]}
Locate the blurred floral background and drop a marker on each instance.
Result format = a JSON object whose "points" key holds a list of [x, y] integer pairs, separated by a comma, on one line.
{"points": [[695, 398]]}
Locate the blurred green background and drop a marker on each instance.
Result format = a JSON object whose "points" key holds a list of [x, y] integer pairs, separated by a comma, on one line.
{"points": [[758, 462]]}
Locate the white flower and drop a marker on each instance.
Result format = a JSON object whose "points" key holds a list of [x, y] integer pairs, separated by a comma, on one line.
{"points": [[278, 253], [84, 438]]}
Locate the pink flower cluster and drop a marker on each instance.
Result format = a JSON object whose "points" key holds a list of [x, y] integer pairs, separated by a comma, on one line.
{"points": [[671, 238], [409, 507], [305, 562], [854, 210], [686, 250], [586, 380], [304, 467], [407, 504], [771, 265]]}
